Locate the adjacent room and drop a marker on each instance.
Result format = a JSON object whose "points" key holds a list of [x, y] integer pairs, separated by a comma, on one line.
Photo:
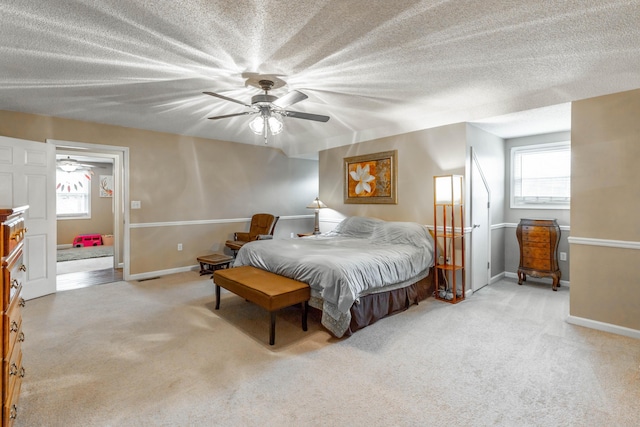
{"points": [[320, 213]]}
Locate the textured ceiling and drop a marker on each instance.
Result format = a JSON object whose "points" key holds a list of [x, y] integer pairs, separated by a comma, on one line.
{"points": [[378, 68]]}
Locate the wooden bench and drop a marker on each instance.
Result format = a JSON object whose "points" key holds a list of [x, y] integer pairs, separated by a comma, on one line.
{"points": [[268, 290]]}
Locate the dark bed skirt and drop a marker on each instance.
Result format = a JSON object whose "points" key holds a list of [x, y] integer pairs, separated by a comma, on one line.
{"points": [[374, 307]]}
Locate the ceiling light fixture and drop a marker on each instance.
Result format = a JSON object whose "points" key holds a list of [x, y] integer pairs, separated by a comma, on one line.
{"points": [[269, 109], [266, 122], [68, 167]]}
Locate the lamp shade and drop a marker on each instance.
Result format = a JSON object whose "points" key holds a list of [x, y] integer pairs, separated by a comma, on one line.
{"points": [[257, 125], [316, 204], [275, 125], [448, 189]]}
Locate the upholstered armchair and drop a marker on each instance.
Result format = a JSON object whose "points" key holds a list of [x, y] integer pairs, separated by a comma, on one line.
{"points": [[262, 227]]}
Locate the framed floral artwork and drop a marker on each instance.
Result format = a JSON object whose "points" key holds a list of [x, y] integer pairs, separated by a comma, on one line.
{"points": [[371, 178]]}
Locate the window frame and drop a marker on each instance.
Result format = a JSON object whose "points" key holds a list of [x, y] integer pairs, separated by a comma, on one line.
{"points": [[74, 216], [536, 148]]}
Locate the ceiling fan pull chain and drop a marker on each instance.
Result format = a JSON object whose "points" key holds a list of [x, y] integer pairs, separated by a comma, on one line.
{"points": [[266, 130]]}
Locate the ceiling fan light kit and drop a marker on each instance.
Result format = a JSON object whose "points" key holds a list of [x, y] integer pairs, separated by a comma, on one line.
{"points": [[71, 165], [270, 110]]}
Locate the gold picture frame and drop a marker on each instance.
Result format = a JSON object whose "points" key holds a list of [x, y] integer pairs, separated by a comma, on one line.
{"points": [[371, 178]]}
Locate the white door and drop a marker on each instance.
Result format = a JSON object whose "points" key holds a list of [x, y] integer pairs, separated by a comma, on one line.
{"points": [[480, 236], [27, 177]]}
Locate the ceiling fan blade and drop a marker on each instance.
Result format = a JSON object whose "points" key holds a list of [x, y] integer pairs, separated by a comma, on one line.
{"points": [[306, 116], [290, 99], [232, 115], [226, 98]]}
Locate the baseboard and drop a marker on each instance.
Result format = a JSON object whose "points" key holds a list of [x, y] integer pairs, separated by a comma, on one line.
{"points": [[497, 278], [152, 274], [605, 327], [65, 246], [564, 283]]}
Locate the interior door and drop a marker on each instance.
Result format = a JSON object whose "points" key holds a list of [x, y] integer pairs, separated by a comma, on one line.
{"points": [[27, 177], [480, 236]]}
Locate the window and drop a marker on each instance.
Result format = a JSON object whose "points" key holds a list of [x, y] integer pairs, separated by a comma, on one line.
{"points": [[73, 195], [541, 176]]}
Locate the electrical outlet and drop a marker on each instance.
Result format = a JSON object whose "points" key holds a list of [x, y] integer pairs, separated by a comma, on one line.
{"points": [[563, 256], [179, 246], [135, 204]]}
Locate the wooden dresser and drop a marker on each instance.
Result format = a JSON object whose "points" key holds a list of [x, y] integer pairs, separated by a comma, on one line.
{"points": [[538, 240], [12, 232]]}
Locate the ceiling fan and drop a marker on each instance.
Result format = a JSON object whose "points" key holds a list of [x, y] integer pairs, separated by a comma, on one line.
{"points": [[72, 165], [270, 109]]}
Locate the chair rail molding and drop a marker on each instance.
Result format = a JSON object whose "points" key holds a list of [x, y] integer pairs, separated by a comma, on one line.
{"points": [[622, 244], [207, 221]]}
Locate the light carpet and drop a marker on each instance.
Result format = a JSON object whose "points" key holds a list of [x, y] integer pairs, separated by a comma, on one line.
{"points": [[156, 353], [73, 254]]}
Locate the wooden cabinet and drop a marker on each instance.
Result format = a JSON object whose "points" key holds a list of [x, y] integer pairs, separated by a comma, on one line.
{"points": [[12, 232], [538, 240], [448, 217]]}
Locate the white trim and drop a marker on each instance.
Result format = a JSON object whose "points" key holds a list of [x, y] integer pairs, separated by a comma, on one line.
{"points": [[497, 278], [515, 225], [535, 148], [120, 157], [601, 326], [158, 273], [206, 221], [622, 244], [538, 279], [467, 230]]}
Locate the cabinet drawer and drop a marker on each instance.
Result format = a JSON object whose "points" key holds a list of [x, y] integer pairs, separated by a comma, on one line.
{"points": [[13, 276], [536, 252], [10, 407], [536, 263], [12, 368], [532, 233], [13, 233], [12, 324]]}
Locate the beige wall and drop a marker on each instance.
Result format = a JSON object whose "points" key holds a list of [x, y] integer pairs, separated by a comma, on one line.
{"points": [[101, 221], [181, 178], [605, 202], [421, 155]]}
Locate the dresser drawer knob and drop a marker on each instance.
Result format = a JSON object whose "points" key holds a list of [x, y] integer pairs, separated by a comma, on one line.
{"points": [[13, 369], [15, 283], [22, 302], [22, 267], [21, 337], [14, 326]]}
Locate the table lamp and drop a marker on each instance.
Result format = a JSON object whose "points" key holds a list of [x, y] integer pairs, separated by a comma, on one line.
{"points": [[317, 205]]}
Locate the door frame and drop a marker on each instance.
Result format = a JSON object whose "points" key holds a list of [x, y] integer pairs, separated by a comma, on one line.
{"points": [[120, 157], [475, 163]]}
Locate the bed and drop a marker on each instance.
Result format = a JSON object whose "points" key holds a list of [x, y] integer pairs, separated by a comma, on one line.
{"points": [[363, 270]]}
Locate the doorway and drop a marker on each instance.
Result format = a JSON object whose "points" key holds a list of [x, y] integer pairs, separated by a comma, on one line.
{"points": [[100, 260]]}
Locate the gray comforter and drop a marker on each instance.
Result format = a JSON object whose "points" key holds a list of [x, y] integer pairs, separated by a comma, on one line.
{"points": [[361, 256]]}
